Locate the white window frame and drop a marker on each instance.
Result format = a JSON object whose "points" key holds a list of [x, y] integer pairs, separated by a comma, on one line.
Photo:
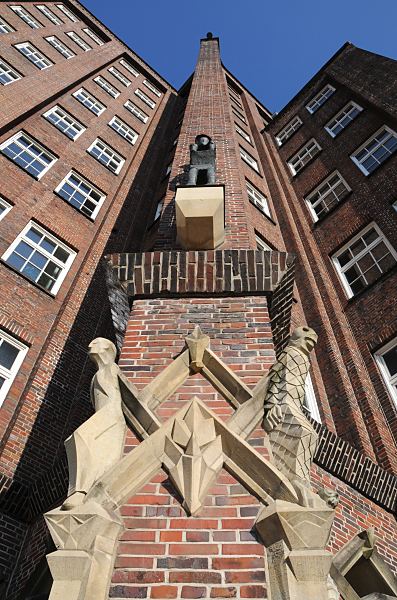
{"points": [[89, 97], [288, 130], [311, 205], [243, 133], [122, 78], [58, 109], [67, 12], [123, 126], [389, 379], [301, 155], [368, 142], [152, 88], [136, 111], [339, 118], [9, 71], [258, 199], [261, 244], [341, 270], [159, 210], [79, 41], [9, 374], [5, 27], [151, 103], [34, 52], [93, 36], [60, 47], [64, 266], [321, 98], [108, 87], [87, 183], [239, 115], [49, 14], [168, 169], [6, 206], [130, 68], [15, 138], [106, 148], [26, 16], [311, 400], [248, 159]]}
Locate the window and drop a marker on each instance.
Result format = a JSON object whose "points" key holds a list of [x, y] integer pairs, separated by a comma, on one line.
{"points": [[327, 195], [320, 99], [93, 36], [58, 45], [28, 154], [386, 358], [7, 73], [5, 207], [40, 257], [152, 88], [258, 199], [288, 131], [5, 27], [64, 122], [310, 401], [79, 41], [89, 101], [68, 13], [344, 117], [12, 353], [168, 170], [106, 156], [26, 16], [364, 259], [137, 112], [261, 244], [305, 154], [249, 159], [159, 210], [32, 54], [394, 205], [235, 101], [243, 133], [109, 89], [376, 150], [49, 14], [124, 130], [239, 115], [129, 67], [145, 98], [116, 73], [81, 194]]}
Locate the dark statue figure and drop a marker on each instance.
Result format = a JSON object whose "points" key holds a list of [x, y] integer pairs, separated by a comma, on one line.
{"points": [[202, 161]]}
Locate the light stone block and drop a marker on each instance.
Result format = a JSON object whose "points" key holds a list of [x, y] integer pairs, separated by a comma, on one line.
{"points": [[200, 216]]}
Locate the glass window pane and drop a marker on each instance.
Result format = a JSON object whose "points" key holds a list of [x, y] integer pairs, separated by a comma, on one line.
{"points": [[8, 354]]}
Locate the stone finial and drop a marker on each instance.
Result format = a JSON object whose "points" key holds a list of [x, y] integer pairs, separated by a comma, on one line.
{"points": [[197, 342]]}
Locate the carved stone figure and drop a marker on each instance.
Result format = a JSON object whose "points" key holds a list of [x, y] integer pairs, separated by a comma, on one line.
{"points": [[202, 161], [98, 443]]}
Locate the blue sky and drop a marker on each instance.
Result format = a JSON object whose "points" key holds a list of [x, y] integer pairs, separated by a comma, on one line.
{"points": [[273, 47]]}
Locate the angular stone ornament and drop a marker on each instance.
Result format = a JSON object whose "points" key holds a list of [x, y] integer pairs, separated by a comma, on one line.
{"points": [[200, 216]]}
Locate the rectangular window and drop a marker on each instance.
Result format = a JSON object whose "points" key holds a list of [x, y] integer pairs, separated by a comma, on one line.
{"points": [[64, 122], [137, 112], [7, 73], [152, 88], [249, 159], [116, 73], [5, 27], [376, 150], [320, 98], [67, 12], [58, 45], [233, 99], [239, 115], [288, 131], [327, 195], [49, 14], [40, 257], [124, 130], [79, 41], [28, 154], [32, 54], [106, 156], [89, 101], [145, 98], [386, 358], [310, 400], [303, 156], [243, 133], [364, 259], [93, 36], [5, 207], [26, 16], [343, 118], [12, 353], [159, 210], [129, 67], [168, 170], [258, 199], [105, 85], [81, 194], [261, 244]]}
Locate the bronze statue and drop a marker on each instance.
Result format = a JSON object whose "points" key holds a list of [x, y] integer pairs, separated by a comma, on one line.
{"points": [[202, 161]]}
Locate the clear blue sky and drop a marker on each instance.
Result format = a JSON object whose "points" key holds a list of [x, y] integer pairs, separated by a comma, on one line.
{"points": [[272, 46]]}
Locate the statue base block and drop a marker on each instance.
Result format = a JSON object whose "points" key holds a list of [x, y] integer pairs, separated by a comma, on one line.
{"points": [[200, 216]]}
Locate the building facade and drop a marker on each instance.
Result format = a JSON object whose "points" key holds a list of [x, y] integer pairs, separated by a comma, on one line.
{"points": [[91, 158]]}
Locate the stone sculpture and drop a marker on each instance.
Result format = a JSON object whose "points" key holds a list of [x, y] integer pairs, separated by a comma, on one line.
{"points": [[202, 161]]}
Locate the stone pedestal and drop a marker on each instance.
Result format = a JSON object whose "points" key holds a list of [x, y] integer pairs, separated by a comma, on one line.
{"points": [[200, 216], [295, 538]]}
